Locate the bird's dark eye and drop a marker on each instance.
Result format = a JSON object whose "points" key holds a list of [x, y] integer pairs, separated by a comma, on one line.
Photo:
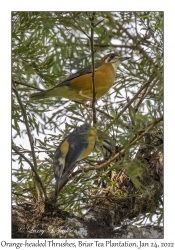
{"points": [[111, 57]]}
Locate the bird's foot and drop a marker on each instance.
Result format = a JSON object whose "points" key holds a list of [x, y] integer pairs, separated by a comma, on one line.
{"points": [[84, 173]]}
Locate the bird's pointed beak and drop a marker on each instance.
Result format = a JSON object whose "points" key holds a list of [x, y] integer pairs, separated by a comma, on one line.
{"points": [[124, 58]]}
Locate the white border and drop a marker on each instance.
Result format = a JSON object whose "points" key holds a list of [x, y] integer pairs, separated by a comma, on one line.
{"points": [[5, 100]]}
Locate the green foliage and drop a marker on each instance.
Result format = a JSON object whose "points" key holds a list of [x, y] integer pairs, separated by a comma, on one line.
{"points": [[49, 46]]}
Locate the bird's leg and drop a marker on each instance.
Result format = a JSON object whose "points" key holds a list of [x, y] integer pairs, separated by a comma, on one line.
{"points": [[86, 96], [68, 173]]}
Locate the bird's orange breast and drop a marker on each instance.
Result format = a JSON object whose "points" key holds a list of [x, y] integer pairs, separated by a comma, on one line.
{"points": [[104, 79]]}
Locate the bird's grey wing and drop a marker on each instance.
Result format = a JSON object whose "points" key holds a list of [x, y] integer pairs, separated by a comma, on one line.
{"points": [[81, 72]]}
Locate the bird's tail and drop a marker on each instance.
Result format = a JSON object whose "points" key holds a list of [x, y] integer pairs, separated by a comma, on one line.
{"points": [[58, 170], [38, 95], [106, 149], [57, 185]]}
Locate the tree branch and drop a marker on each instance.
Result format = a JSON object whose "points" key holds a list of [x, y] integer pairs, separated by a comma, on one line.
{"points": [[30, 139], [93, 69], [32, 167]]}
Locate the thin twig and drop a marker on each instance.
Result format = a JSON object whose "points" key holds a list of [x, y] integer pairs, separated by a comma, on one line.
{"points": [[130, 108], [79, 27], [131, 113], [103, 112], [143, 95], [23, 195], [131, 101], [96, 24], [27, 85], [112, 45], [97, 109]]}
